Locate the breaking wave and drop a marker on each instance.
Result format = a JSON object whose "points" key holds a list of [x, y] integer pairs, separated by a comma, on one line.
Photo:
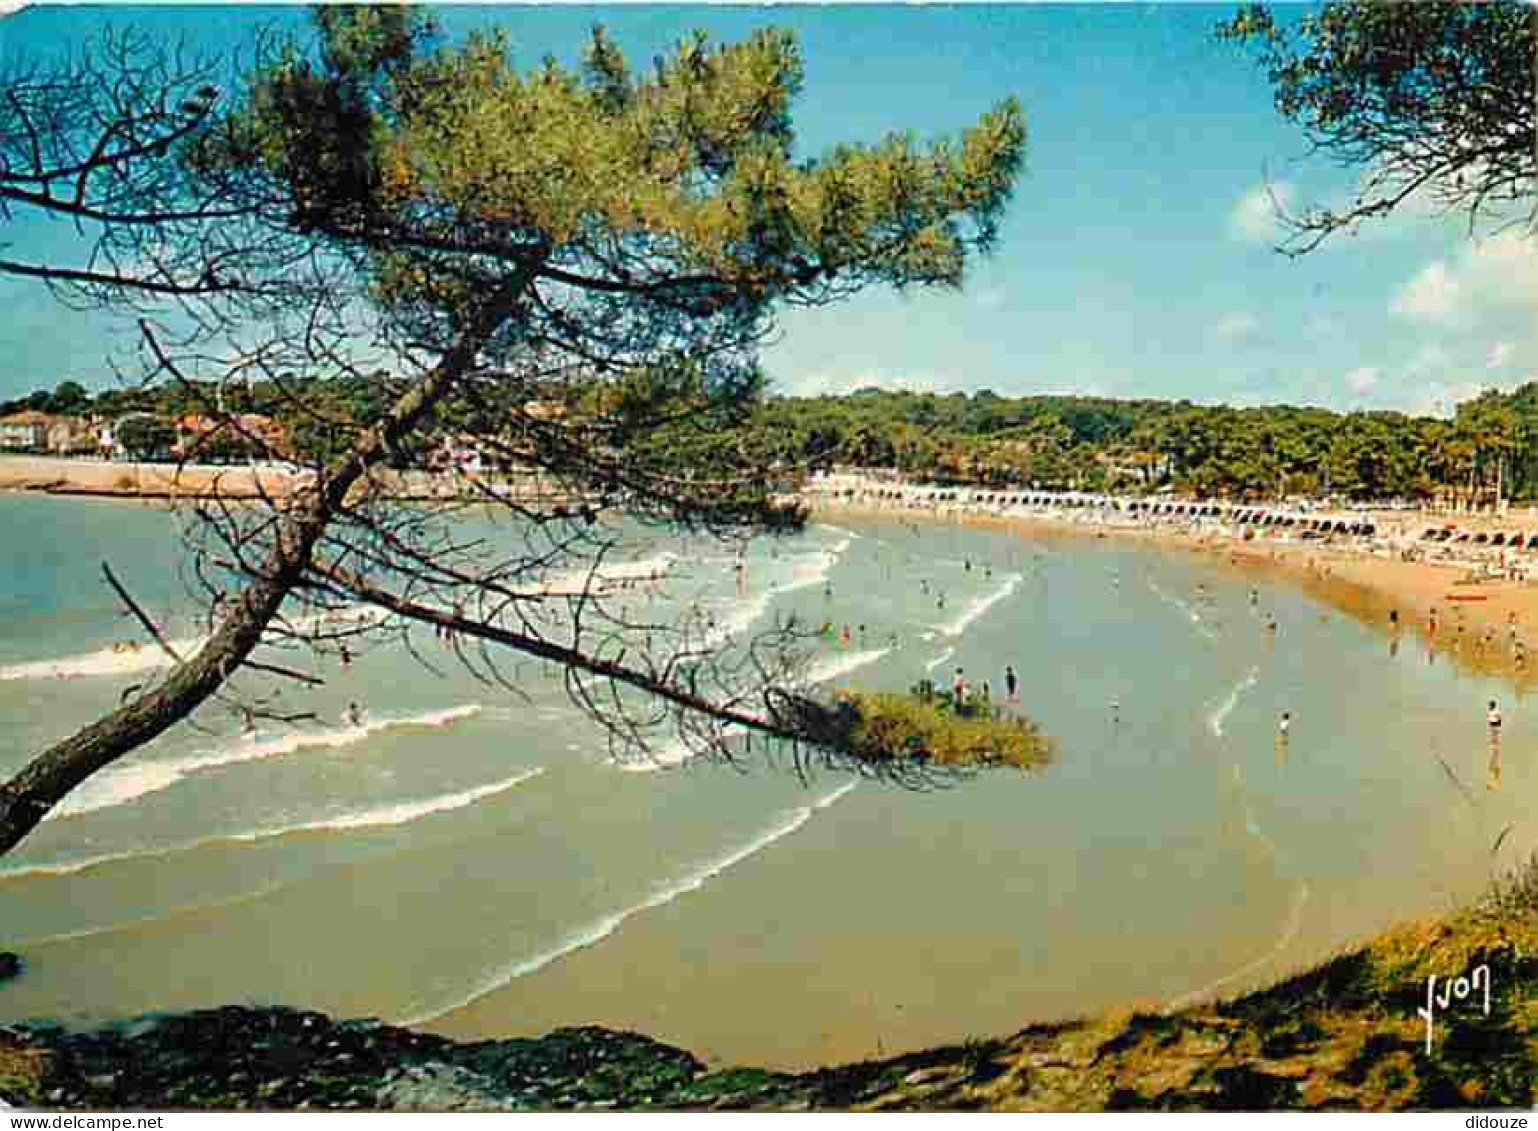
{"points": [[602, 928]]}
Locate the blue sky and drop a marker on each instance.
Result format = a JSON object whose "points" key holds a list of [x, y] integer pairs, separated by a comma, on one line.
{"points": [[1136, 258]]}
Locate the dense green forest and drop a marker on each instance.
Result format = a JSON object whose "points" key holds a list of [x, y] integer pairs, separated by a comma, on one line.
{"points": [[1094, 443], [1088, 443]]}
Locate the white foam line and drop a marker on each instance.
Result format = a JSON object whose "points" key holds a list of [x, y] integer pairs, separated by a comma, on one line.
{"points": [[848, 534], [380, 816], [127, 782], [1218, 717], [1300, 897], [746, 612], [1185, 609], [401, 813], [804, 575], [574, 582], [601, 929], [150, 920], [676, 753], [834, 667], [106, 662], [669, 757], [940, 659], [978, 606]]}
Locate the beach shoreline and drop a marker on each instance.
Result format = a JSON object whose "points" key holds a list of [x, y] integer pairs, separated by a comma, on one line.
{"points": [[1355, 576], [1368, 587]]}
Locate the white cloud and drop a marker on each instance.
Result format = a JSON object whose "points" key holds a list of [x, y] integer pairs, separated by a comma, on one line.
{"points": [[1497, 274], [1254, 218], [1362, 380], [1432, 296], [823, 383], [1500, 354], [9, 6], [1235, 326]]}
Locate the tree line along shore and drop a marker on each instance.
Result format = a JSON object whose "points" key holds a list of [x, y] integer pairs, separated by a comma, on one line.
{"points": [[1485, 454]]}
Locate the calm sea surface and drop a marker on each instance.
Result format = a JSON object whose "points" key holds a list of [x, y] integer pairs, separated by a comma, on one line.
{"points": [[476, 863]]}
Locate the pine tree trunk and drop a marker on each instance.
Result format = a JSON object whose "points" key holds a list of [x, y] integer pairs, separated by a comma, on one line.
{"points": [[28, 797]]}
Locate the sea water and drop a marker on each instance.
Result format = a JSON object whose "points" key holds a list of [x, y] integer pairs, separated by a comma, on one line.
{"points": [[474, 860]]}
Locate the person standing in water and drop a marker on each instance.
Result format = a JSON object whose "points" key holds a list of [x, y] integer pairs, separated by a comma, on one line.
{"points": [[354, 715], [1011, 685], [1493, 770]]}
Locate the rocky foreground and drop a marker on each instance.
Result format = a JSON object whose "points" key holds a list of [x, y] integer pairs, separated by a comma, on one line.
{"points": [[1345, 1036]]}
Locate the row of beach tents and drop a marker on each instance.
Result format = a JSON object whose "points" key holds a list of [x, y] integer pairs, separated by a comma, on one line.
{"points": [[1242, 514], [1225, 512]]}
